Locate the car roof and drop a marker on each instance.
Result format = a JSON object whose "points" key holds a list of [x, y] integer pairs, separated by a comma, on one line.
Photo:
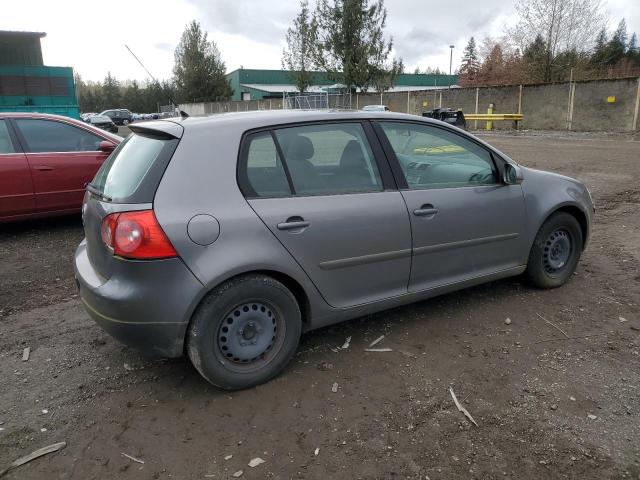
{"points": [[266, 118], [278, 118]]}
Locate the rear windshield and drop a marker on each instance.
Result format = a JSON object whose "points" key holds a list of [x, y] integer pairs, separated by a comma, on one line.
{"points": [[132, 172]]}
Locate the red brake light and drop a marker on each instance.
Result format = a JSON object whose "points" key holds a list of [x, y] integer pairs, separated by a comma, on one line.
{"points": [[136, 235]]}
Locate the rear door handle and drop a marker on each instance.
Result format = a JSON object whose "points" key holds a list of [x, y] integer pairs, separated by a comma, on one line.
{"points": [[425, 210], [294, 223], [42, 168]]}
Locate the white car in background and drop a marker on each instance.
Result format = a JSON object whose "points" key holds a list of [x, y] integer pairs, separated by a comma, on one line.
{"points": [[375, 108]]}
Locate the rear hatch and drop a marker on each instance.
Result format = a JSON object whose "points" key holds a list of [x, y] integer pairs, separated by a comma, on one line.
{"points": [[127, 181]]}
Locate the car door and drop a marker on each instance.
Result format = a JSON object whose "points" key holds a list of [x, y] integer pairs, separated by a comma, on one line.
{"points": [[466, 223], [62, 158], [16, 186], [322, 192]]}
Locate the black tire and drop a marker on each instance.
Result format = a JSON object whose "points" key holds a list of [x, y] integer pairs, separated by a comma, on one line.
{"points": [[232, 324], [555, 252]]}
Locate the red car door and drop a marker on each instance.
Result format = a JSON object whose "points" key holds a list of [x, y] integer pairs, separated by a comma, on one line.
{"points": [[16, 186], [63, 159]]}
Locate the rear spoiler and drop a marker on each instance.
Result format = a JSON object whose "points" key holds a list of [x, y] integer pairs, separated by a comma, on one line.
{"points": [[161, 128]]}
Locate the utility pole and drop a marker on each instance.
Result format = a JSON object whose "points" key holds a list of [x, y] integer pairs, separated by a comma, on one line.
{"points": [[451, 47]]}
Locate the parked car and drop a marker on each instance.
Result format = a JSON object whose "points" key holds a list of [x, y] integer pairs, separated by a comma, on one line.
{"points": [[375, 108], [103, 122], [228, 236], [120, 116], [86, 116], [45, 163]]}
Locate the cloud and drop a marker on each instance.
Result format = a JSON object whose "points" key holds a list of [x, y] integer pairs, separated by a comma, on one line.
{"points": [[257, 20], [250, 32], [165, 46]]}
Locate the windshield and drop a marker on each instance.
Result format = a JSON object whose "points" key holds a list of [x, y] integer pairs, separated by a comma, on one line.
{"points": [[125, 169]]}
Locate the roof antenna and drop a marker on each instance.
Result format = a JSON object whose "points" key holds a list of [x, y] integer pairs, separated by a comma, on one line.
{"points": [[183, 114]]}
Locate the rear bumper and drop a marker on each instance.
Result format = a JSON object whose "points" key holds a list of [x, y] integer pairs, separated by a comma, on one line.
{"points": [[144, 304]]}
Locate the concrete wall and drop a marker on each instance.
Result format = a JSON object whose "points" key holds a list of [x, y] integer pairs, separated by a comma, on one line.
{"points": [[597, 105]]}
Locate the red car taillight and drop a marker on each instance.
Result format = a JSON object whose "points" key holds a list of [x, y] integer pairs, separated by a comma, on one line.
{"points": [[136, 235]]}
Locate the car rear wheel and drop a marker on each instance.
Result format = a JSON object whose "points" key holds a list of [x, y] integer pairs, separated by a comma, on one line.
{"points": [[555, 251], [244, 332]]}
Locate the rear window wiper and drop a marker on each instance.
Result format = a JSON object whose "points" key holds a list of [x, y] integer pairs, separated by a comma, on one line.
{"points": [[96, 191]]}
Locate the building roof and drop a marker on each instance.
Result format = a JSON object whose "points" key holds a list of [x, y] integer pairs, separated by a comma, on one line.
{"points": [[289, 88], [283, 77], [14, 33]]}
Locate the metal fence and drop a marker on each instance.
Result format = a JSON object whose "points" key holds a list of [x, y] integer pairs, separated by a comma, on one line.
{"points": [[318, 101], [606, 105]]}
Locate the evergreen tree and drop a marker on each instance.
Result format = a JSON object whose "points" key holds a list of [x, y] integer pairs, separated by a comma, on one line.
{"points": [[132, 97], [617, 46], [599, 56], [633, 53], [301, 39], [470, 63], [111, 96], [352, 47], [535, 60], [199, 70]]}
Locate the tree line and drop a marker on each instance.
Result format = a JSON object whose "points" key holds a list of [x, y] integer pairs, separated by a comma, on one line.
{"points": [[198, 76], [554, 40]]}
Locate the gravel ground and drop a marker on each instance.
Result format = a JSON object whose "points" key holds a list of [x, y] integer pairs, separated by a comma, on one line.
{"points": [[547, 406]]}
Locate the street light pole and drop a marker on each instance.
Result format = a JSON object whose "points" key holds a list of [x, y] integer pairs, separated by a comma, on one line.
{"points": [[451, 47]]}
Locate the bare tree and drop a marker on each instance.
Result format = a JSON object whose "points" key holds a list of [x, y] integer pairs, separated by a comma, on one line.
{"points": [[564, 25]]}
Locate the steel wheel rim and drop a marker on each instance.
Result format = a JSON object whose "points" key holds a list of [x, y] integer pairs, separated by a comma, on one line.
{"points": [[249, 336], [558, 250]]}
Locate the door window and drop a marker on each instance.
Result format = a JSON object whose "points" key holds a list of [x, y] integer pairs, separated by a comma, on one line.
{"points": [[52, 136], [262, 173], [6, 145], [329, 159], [432, 157]]}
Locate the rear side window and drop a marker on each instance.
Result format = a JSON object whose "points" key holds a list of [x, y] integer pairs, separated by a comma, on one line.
{"points": [[328, 159], [52, 136], [132, 172], [265, 175]]}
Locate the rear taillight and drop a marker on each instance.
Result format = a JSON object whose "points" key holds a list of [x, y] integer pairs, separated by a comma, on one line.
{"points": [[136, 235]]}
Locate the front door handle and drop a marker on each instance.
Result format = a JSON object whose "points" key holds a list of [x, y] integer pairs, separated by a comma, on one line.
{"points": [[294, 223], [426, 210], [43, 168]]}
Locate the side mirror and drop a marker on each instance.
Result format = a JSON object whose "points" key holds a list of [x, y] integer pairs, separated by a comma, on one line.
{"points": [[512, 174], [106, 146]]}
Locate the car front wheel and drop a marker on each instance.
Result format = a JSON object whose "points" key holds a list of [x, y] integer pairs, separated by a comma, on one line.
{"points": [[555, 251], [244, 332]]}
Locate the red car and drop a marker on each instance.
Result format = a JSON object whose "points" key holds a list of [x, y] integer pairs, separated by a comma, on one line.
{"points": [[46, 162]]}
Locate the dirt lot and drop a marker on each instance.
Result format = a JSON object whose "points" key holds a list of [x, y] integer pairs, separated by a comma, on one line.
{"points": [[546, 406]]}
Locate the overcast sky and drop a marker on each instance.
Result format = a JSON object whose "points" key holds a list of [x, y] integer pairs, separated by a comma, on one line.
{"points": [[90, 36]]}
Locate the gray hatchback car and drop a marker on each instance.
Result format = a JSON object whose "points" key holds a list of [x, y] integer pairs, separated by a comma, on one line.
{"points": [[227, 237]]}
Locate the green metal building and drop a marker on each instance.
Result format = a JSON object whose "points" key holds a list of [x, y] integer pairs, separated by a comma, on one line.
{"points": [[26, 84], [250, 84]]}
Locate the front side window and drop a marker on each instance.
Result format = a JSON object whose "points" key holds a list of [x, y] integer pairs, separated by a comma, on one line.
{"points": [[263, 173], [53, 136], [6, 145], [329, 159], [432, 157]]}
